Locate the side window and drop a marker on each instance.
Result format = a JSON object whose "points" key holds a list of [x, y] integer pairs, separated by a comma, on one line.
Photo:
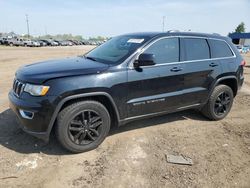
{"points": [[220, 49], [165, 50], [196, 49]]}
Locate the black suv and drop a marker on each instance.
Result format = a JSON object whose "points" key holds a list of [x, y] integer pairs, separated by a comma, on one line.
{"points": [[129, 77]]}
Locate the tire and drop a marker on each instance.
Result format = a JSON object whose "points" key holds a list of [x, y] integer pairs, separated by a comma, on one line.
{"points": [[213, 110], [11, 44], [82, 135]]}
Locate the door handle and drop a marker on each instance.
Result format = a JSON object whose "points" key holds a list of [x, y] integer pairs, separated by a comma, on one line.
{"points": [[213, 64], [176, 69]]}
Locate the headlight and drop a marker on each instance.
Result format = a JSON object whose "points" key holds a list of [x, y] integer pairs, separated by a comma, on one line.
{"points": [[36, 90]]}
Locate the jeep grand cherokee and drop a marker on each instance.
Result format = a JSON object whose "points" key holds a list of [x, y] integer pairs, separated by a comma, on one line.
{"points": [[129, 77]]}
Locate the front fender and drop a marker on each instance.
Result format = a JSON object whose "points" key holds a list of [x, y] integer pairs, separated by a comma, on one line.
{"points": [[78, 96]]}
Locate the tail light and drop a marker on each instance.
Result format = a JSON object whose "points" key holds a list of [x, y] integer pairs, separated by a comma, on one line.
{"points": [[243, 63]]}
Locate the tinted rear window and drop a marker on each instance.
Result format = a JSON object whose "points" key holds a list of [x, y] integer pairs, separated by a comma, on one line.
{"points": [[220, 48], [196, 49]]}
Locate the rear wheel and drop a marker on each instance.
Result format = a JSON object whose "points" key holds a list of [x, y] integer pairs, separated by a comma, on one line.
{"points": [[82, 126], [219, 103]]}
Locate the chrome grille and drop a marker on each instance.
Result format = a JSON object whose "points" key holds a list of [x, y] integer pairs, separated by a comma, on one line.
{"points": [[18, 87]]}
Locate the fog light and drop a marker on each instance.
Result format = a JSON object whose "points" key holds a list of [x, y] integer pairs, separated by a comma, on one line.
{"points": [[26, 114]]}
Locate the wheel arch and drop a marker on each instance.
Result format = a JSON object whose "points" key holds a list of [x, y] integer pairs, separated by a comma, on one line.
{"points": [[230, 81], [101, 97]]}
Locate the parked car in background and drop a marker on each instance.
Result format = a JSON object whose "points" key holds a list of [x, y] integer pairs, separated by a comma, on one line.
{"points": [[92, 42], [6, 40], [15, 42], [53, 42], [45, 42], [66, 43], [2, 40], [42, 43], [84, 42], [99, 42], [243, 49], [72, 42], [246, 48], [59, 42], [31, 43], [239, 47], [48, 43], [35, 43]]}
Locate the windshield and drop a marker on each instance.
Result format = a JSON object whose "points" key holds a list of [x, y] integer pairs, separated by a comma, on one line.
{"points": [[117, 49]]}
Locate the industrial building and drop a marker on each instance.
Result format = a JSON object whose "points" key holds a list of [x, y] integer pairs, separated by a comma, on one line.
{"points": [[240, 38]]}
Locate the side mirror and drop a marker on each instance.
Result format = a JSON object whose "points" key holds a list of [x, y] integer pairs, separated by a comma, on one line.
{"points": [[145, 60]]}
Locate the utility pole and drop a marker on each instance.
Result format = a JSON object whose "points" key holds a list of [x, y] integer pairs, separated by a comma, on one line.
{"points": [[28, 27], [163, 23], [45, 29]]}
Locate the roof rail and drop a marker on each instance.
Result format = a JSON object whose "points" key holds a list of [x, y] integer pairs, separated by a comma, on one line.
{"points": [[172, 31], [217, 34]]}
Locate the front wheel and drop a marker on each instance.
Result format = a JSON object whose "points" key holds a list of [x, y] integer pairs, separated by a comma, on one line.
{"points": [[219, 104], [82, 126]]}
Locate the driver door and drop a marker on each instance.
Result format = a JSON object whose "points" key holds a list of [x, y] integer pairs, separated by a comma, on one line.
{"points": [[157, 88]]}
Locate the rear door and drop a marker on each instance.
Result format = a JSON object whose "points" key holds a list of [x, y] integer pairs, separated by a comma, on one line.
{"points": [[200, 70], [157, 88], [221, 51]]}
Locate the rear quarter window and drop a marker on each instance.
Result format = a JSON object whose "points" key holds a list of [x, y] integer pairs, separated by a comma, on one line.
{"points": [[219, 49]]}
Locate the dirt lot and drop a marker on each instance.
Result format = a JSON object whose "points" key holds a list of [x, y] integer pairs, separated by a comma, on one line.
{"points": [[133, 155]]}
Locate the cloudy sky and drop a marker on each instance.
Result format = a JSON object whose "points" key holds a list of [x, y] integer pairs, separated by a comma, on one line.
{"points": [[114, 17]]}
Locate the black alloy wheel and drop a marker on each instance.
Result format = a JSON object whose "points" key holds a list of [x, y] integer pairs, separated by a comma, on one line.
{"points": [[85, 127], [222, 103], [219, 104]]}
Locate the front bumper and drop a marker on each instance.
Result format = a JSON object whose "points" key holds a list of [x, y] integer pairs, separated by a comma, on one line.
{"points": [[41, 108]]}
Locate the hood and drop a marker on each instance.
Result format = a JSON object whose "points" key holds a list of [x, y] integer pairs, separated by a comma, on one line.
{"points": [[38, 73]]}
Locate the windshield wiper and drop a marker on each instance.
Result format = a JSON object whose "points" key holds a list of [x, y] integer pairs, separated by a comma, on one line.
{"points": [[91, 58]]}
